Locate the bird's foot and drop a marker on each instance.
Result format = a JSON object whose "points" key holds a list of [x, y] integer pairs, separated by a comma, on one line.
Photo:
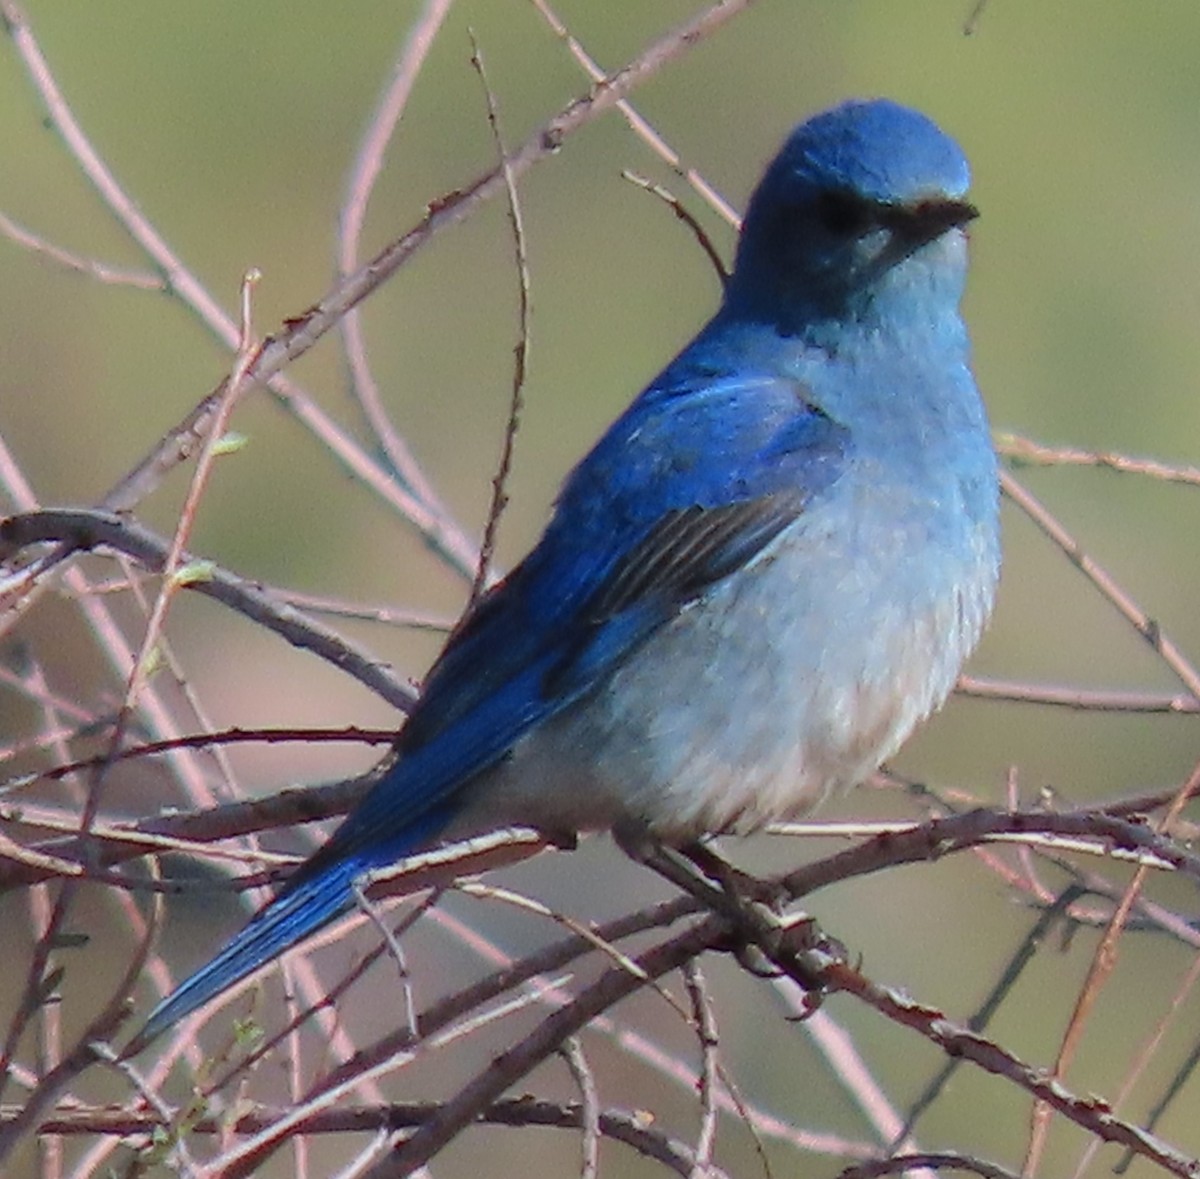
{"points": [[766, 942]]}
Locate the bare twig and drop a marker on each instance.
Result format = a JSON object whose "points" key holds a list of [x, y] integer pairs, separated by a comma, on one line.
{"points": [[847, 1066], [428, 516], [680, 210], [639, 125], [391, 941], [172, 576], [589, 1103], [302, 331], [1145, 1054], [625, 1126], [360, 184], [487, 548], [1079, 699], [234, 736], [1103, 963], [101, 1028], [89, 529], [901, 1164], [359, 611], [1093, 1116], [109, 275], [760, 1122], [706, 1032], [515, 1062], [247, 1157], [979, 1021], [1024, 452], [1141, 622]]}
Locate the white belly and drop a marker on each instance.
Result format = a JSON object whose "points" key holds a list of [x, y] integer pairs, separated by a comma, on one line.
{"points": [[761, 697]]}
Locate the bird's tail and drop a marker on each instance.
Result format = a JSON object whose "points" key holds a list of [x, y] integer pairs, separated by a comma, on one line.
{"points": [[321, 889], [288, 919]]}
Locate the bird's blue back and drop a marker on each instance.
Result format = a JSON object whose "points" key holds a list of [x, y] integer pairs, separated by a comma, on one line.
{"points": [[793, 529]]}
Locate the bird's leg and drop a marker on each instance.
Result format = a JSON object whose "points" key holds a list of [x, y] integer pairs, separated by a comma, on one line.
{"points": [[636, 841], [760, 932], [753, 896], [733, 880]]}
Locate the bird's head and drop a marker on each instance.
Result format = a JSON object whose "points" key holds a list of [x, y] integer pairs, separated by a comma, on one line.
{"points": [[863, 199]]}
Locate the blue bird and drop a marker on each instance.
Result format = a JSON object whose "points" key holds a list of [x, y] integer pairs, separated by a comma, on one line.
{"points": [[765, 574]]}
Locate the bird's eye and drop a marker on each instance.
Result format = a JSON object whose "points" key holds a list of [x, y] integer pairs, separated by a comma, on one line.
{"points": [[844, 214]]}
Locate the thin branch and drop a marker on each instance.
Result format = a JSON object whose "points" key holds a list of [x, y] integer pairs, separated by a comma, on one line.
{"points": [[1179, 1079], [682, 214], [1145, 1054], [362, 612], [639, 125], [134, 686], [123, 208], [87, 529], [302, 331], [1089, 1113], [1024, 452], [1029, 946], [1141, 622], [705, 1023], [172, 567], [938, 837], [760, 1122], [589, 1102], [847, 1066], [428, 516], [626, 1126], [833, 975], [233, 736], [83, 1054], [487, 548], [245, 1158], [1078, 699], [109, 275], [360, 184], [516, 1061], [1104, 962], [901, 1164], [332, 994], [391, 942]]}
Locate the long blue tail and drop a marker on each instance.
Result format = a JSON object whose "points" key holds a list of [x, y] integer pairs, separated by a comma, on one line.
{"points": [[287, 920], [322, 889]]}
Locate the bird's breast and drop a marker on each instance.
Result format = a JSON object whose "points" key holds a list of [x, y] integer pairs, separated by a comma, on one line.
{"points": [[791, 678]]}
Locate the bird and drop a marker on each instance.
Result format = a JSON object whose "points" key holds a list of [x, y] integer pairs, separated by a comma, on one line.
{"points": [[765, 574]]}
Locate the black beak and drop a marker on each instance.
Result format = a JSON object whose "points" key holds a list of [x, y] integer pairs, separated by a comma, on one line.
{"points": [[926, 220]]}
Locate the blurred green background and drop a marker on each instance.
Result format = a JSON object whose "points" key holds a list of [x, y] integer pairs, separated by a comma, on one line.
{"points": [[233, 126]]}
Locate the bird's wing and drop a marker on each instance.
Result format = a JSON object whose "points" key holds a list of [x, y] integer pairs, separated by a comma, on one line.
{"points": [[693, 482]]}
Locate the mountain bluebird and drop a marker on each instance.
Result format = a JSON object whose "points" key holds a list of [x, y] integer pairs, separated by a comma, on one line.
{"points": [[763, 576]]}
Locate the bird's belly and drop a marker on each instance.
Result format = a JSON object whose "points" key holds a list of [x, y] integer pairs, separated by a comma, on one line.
{"points": [[778, 686]]}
